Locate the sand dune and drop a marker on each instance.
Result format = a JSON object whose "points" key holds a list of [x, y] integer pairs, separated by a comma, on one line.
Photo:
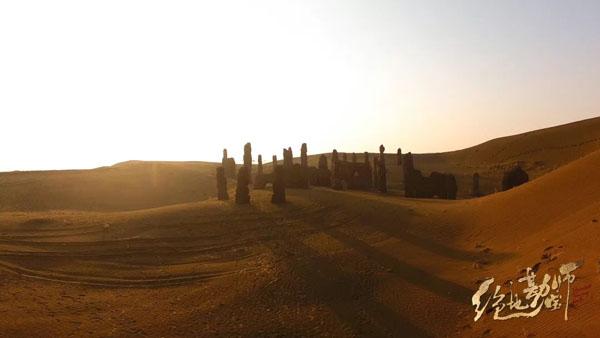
{"points": [[538, 152], [171, 261], [329, 262], [140, 185], [124, 186]]}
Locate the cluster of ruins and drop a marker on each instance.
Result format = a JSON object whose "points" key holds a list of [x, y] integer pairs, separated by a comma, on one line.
{"points": [[514, 177], [343, 175], [436, 185]]}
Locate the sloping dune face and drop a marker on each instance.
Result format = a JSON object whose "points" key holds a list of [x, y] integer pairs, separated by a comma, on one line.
{"points": [[546, 223], [538, 152], [126, 186], [327, 263], [167, 260]]}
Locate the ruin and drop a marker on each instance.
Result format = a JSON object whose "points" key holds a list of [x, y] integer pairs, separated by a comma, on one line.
{"points": [[288, 159], [336, 182], [228, 164], [222, 194], [514, 177], [242, 193], [350, 175], [475, 192], [368, 164], [399, 157], [320, 176], [303, 156], [436, 185], [381, 171], [259, 180], [375, 171], [323, 162], [278, 185], [248, 158], [295, 175]]}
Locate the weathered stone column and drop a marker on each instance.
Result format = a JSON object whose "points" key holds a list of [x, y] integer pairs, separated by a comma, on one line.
{"points": [[304, 156], [407, 170], [368, 164], [242, 193], [260, 167], [278, 186], [259, 181], [222, 194], [228, 165], [248, 158], [323, 162], [290, 157], [323, 173], [382, 180], [399, 157], [336, 182], [376, 171]]}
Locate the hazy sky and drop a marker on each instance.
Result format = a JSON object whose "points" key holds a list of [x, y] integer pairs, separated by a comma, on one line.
{"points": [[91, 83]]}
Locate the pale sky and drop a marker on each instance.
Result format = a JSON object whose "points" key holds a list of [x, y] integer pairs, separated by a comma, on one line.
{"points": [[91, 83]]}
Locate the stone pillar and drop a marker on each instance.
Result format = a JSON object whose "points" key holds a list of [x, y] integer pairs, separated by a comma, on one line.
{"points": [[222, 194], [368, 165], [288, 158], [248, 157], [407, 170], [304, 156], [323, 173], [228, 165], [242, 193], [323, 162], [336, 182], [408, 162], [399, 157], [376, 171], [382, 180], [278, 186], [259, 181], [260, 167]]}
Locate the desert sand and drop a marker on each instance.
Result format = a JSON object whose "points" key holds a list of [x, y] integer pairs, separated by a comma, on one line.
{"points": [[144, 249]]}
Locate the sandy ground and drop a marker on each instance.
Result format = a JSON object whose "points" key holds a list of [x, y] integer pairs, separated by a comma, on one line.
{"points": [[142, 249], [327, 263]]}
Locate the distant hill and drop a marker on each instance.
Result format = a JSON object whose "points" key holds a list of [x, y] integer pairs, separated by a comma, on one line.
{"points": [[138, 185], [538, 152], [124, 186]]}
